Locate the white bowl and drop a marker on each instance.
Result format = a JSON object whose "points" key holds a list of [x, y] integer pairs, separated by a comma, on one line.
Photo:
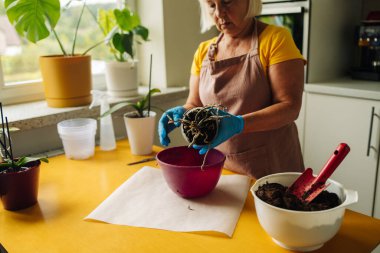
{"points": [[301, 230]]}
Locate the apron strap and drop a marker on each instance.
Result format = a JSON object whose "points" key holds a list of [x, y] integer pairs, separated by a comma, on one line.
{"points": [[255, 40], [213, 49]]}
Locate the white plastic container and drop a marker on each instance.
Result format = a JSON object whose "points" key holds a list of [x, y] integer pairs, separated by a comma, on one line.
{"points": [[301, 231], [78, 137]]}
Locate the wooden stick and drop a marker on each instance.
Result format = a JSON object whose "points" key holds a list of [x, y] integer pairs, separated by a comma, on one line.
{"points": [[9, 139], [150, 82], [4, 143]]}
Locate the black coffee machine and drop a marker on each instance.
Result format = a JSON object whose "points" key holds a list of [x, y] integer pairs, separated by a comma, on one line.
{"points": [[367, 60]]}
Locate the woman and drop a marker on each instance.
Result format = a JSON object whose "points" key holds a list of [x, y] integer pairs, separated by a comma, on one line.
{"points": [[257, 72]]}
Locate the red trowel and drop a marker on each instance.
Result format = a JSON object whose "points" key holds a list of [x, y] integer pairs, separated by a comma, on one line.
{"points": [[307, 187]]}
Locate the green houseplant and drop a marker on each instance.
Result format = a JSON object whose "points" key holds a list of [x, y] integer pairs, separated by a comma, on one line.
{"points": [[142, 106], [123, 30], [67, 76], [140, 123], [18, 176]]}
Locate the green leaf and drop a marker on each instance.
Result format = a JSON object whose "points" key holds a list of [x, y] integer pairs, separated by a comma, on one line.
{"points": [[139, 110], [5, 165], [32, 159], [139, 106], [126, 19], [116, 108], [24, 160], [117, 43], [33, 19], [106, 20], [142, 31], [123, 43], [21, 161], [146, 98], [151, 92]]}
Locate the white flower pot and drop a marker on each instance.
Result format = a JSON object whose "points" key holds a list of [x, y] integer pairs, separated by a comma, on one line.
{"points": [[121, 79], [140, 133]]}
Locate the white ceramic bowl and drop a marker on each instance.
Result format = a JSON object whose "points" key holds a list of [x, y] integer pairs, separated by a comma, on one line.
{"points": [[301, 230]]}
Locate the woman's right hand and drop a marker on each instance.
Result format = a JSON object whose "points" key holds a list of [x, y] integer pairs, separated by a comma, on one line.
{"points": [[165, 127]]}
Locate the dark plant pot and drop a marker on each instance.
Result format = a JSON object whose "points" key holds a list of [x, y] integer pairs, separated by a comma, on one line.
{"points": [[19, 190]]}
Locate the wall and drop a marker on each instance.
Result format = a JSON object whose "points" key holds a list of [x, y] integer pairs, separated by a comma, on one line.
{"points": [[331, 38], [175, 35]]}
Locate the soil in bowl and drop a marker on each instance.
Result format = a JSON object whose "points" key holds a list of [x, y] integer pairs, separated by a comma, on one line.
{"points": [[275, 194]]}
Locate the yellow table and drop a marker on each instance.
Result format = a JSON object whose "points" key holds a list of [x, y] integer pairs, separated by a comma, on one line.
{"points": [[70, 190]]}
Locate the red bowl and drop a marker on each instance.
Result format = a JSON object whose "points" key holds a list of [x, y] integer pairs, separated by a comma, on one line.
{"points": [[182, 170]]}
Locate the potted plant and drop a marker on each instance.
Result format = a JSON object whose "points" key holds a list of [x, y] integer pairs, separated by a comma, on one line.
{"points": [[122, 29], [140, 123], [18, 176], [67, 76]]}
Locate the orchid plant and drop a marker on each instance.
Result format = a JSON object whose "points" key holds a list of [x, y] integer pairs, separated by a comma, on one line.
{"points": [[10, 163]]}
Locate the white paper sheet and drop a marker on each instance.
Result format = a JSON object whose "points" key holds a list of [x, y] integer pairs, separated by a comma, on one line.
{"points": [[145, 200]]}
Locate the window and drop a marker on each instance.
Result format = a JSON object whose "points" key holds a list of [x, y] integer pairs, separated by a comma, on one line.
{"points": [[20, 79]]}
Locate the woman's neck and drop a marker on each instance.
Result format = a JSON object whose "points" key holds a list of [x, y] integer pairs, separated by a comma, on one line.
{"points": [[245, 33]]}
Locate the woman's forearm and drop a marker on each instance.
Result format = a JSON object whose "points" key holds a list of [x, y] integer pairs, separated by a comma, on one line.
{"points": [[272, 117]]}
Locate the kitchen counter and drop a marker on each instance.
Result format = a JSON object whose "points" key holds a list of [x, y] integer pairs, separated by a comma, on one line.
{"points": [[70, 190], [347, 87]]}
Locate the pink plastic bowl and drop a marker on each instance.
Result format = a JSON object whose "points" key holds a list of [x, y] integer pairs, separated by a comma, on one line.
{"points": [[182, 171]]}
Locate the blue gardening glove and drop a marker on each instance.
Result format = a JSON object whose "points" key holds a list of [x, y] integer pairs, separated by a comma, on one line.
{"points": [[164, 127], [228, 127]]}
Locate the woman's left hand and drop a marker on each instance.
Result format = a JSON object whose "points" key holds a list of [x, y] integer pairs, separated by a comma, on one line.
{"points": [[228, 127]]}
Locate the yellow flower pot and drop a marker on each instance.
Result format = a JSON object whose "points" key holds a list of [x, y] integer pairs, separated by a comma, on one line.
{"points": [[67, 80]]}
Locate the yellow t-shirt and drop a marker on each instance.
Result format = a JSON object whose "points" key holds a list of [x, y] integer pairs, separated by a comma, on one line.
{"points": [[275, 45]]}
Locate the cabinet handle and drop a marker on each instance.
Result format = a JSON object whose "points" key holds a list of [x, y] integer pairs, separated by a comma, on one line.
{"points": [[373, 114], [376, 181]]}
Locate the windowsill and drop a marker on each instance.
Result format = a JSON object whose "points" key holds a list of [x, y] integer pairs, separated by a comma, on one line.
{"points": [[37, 114]]}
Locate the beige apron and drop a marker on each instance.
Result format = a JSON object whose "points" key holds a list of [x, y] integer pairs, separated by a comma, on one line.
{"points": [[239, 83]]}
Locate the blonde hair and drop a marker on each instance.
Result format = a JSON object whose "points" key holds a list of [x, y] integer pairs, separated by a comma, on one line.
{"points": [[254, 9]]}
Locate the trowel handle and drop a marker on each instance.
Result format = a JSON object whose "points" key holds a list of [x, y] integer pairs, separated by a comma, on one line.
{"points": [[336, 158]]}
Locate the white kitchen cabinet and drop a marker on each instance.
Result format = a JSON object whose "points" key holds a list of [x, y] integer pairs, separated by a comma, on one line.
{"points": [[300, 122], [330, 120]]}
